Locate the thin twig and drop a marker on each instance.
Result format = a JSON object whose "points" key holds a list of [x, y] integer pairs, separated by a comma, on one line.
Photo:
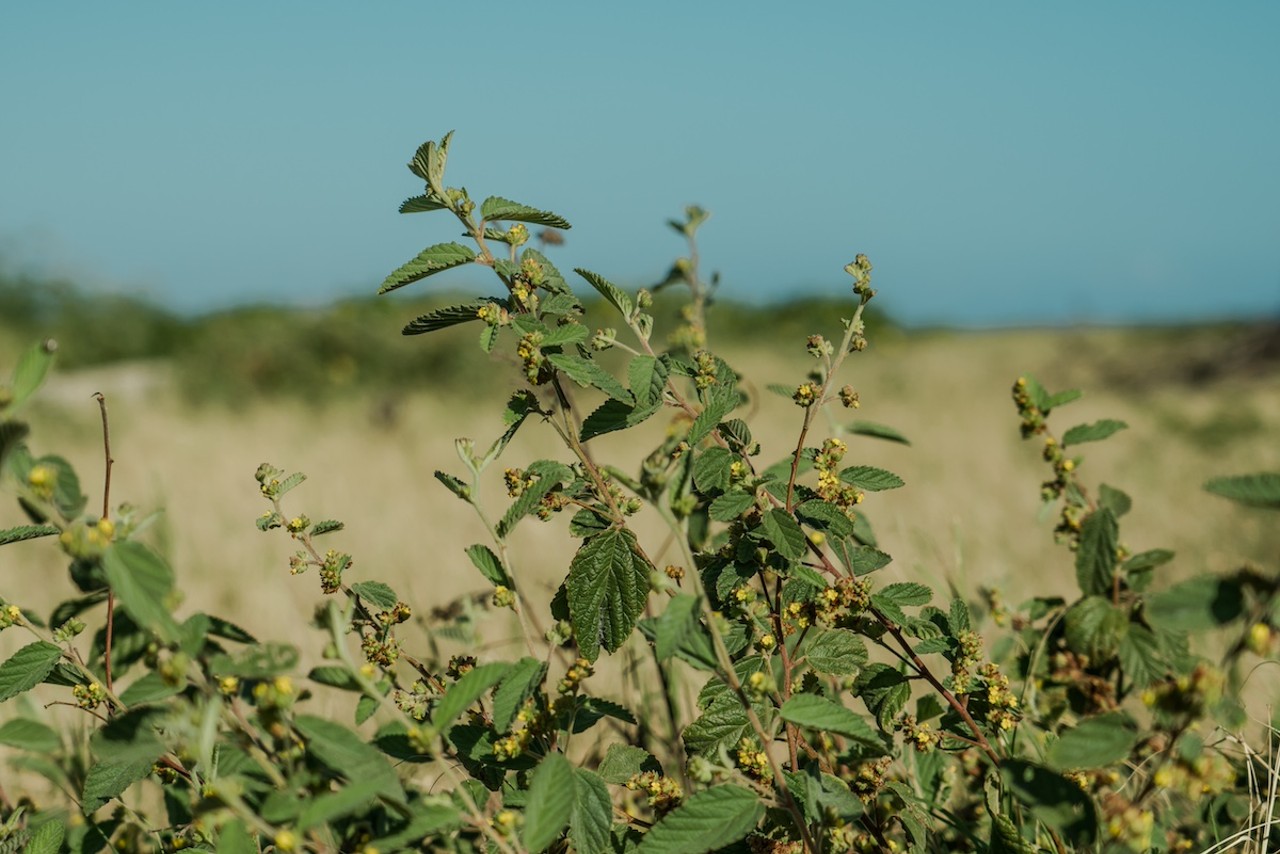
{"points": [[106, 514]]}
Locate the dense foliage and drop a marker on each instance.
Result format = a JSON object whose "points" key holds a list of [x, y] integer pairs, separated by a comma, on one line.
{"points": [[835, 710]]}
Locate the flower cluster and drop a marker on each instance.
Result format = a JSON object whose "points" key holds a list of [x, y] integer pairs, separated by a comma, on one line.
{"points": [[664, 793]]}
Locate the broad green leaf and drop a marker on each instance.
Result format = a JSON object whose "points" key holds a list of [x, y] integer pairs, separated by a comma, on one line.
{"points": [[707, 821], [1141, 658], [1095, 627], [520, 683], [143, 583], [26, 532], [432, 260], [1200, 603], [870, 478], [891, 599], [607, 289], [27, 668], [323, 809], [885, 691], [712, 469], [335, 676], [647, 377], [150, 688], [47, 838], [1255, 490], [110, 778], [1115, 500], [565, 333], [826, 517], [878, 431], [721, 726], [860, 560], [836, 652], [33, 365], [489, 565], [1062, 398], [615, 415], [823, 715], [731, 505], [376, 594], [679, 632], [1053, 799], [607, 586], [552, 281], [1148, 560], [712, 414], [262, 661], [549, 475], [345, 753], [422, 204], [427, 818], [233, 838], [1096, 556], [443, 318], [588, 374], [1094, 432], [592, 816], [781, 528], [470, 687], [552, 794], [1094, 742], [498, 208], [27, 734], [623, 761], [429, 161]]}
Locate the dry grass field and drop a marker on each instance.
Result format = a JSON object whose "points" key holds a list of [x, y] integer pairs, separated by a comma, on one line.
{"points": [[969, 512]]}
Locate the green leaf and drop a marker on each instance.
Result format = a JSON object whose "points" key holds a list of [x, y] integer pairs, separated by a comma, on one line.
{"points": [[323, 809], [835, 652], [1094, 742], [143, 583], [1198, 604], [860, 560], [712, 414], [552, 794], [150, 688], [1148, 560], [712, 469], [489, 565], [707, 821], [335, 676], [470, 687], [110, 778], [1094, 432], [1115, 500], [233, 838], [422, 204], [885, 691], [877, 431], [328, 526], [443, 318], [498, 208], [27, 668], [722, 726], [549, 475], [870, 478], [454, 485], [1096, 556], [781, 528], [33, 365], [262, 661], [592, 816], [47, 838], [607, 289], [607, 586], [825, 516], [345, 753], [680, 632], [823, 715], [615, 415], [648, 377], [1052, 798], [432, 260], [27, 734], [731, 505], [588, 374], [376, 593], [1095, 627], [623, 761], [1141, 658], [892, 598], [1254, 490], [26, 532], [520, 683]]}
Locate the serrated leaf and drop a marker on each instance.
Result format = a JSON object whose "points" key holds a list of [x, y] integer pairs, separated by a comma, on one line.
{"points": [[142, 582], [1114, 500], [1096, 556], [565, 333], [785, 533], [322, 809], [1094, 742], [721, 726], [607, 587], [345, 753], [29, 373], [422, 204], [1052, 798], [588, 374], [647, 377], [836, 652], [498, 208], [1198, 604], [27, 734], [823, 715], [712, 469], [1141, 658], [877, 431], [731, 505], [707, 821], [27, 668], [1254, 490], [233, 838], [46, 839], [592, 816], [489, 565], [860, 560], [679, 632], [376, 593], [1095, 627], [335, 677], [549, 475], [607, 289], [1148, 560], [712, 414], [885, 691], [623, 761], [521, 682], [432, 260], [1094, 432], [443, 318], [26, 532], [870, 478], [110, 778], [615, 415], [149, 688], [470, 687], [262, 661], [551, 798], [328, 526], [826, 517]]}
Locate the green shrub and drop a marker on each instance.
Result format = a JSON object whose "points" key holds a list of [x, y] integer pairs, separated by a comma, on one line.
{"points": [[834, 711]]}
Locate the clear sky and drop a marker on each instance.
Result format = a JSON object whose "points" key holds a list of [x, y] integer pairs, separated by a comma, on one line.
{"points": [[1001, 162]]}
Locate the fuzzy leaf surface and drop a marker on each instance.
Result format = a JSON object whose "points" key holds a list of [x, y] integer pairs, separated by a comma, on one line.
{"points": [[823, 715], [498, 208], [607, 587], [551, 798], [432, 260], [870, 478], [1253, 490], [1096, 557], [588, 374], [615, 295], [707, 821], [346, 753], [27, 668], [1094, 432]]}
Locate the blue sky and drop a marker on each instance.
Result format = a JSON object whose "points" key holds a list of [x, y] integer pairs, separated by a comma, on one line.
{"points": [[1001, 162]]}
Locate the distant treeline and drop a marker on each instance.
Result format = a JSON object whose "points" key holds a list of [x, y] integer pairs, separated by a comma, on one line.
{"points": [[352, 344]]}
